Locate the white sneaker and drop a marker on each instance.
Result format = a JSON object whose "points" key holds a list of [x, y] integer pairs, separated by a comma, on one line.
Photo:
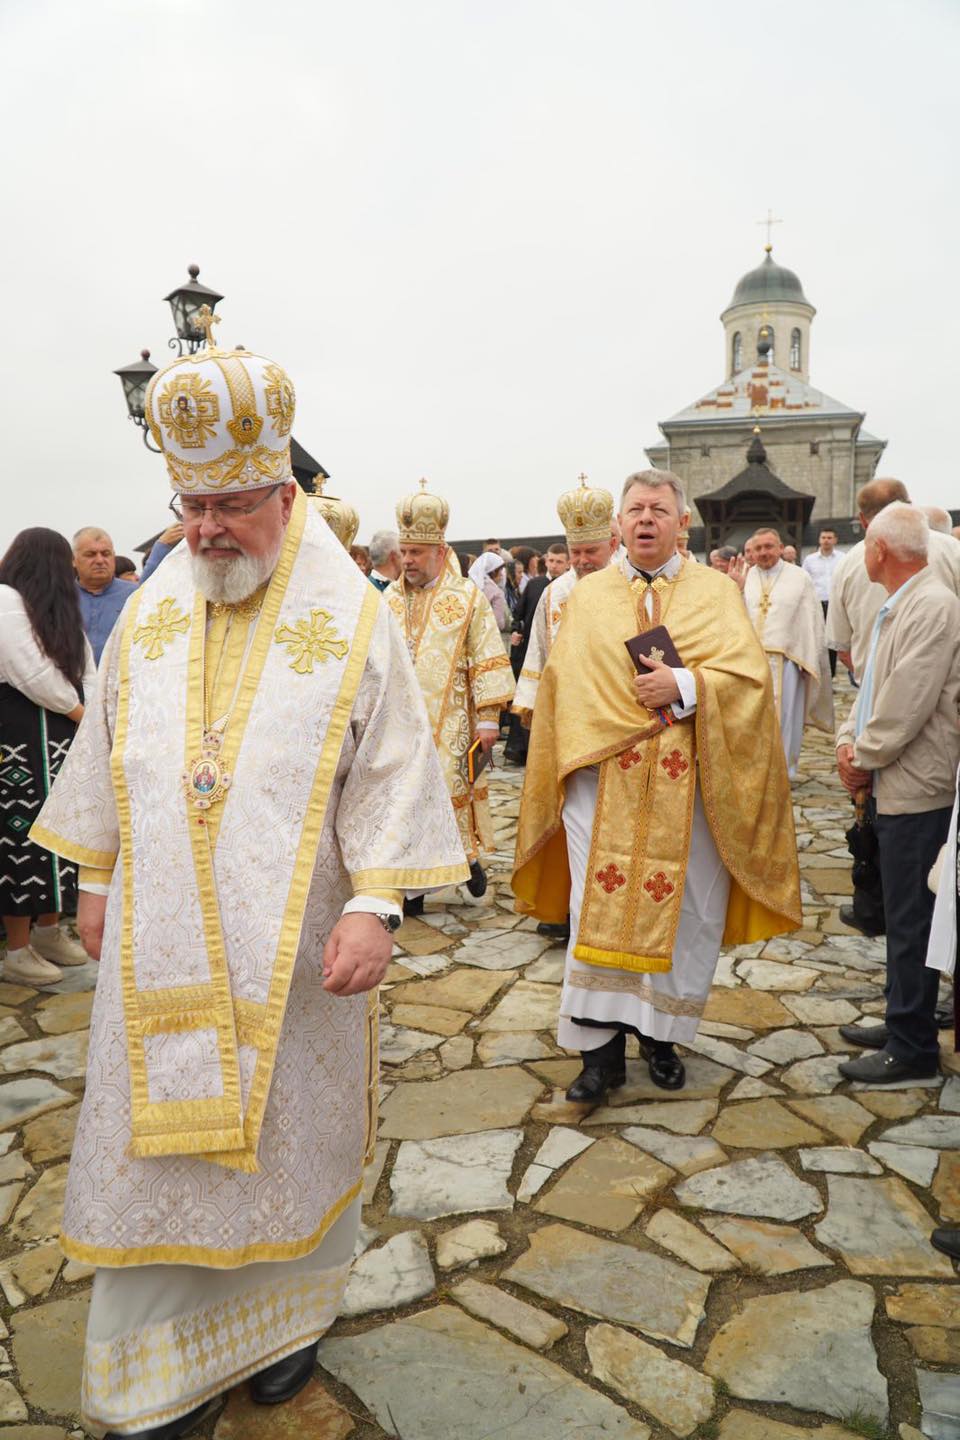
{"points": [[54, 944], [26, 967]]}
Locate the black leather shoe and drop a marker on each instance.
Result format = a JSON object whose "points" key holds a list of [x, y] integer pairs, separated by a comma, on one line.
{"points": [[665, 1066], [594, 1081], [172, 1430], [477, 884], [413, 906], [882, 1069], [943, 1017], [554, 932], [286, 1378], [871, 1037], [850, 919], [947, 1241]]}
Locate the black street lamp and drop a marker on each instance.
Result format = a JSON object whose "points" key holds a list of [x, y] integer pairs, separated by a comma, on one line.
{"points": [[135, 378], [184, 302]]}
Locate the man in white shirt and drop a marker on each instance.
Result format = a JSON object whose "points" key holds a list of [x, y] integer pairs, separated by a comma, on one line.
{"points": [[385, 558], [821, 566]]}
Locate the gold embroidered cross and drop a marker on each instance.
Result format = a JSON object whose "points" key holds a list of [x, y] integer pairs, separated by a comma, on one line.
{"points": [[765, 603], [204, 321], [309, 641], [160, 628]]}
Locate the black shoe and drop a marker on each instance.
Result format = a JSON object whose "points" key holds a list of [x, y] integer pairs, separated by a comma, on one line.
{"points": [[477, 884], [871, 1037], [594, 1081], [414, 906], [947, 1241], [943, 1017], [285, 1378], [173, 1428], [883, 1069], [665, 1066], [514, 757], [849, 918], [554, 932]]}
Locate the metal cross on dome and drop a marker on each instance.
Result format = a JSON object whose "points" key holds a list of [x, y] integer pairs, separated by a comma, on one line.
{"points": [[770, 221], [204, 320]]}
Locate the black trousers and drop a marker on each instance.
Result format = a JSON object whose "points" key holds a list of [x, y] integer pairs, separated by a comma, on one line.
{"points": [[909, 844], [832, 654]]}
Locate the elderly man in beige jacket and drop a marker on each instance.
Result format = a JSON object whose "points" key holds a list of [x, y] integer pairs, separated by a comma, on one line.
{"points": [[902, 739]]}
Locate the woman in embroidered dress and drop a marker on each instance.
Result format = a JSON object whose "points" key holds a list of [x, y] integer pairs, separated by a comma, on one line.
{"points": [[46, 665]]}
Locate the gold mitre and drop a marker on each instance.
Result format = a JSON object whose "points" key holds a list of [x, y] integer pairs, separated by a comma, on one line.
{"points": [[222, 418], [422, 518], [585, 514], [339, 514]]}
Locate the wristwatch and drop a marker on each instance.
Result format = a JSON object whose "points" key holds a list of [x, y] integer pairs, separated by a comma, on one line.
{"points": [[390, 923]]}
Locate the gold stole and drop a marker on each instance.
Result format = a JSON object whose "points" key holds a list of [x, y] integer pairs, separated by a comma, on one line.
{"points": [[436, 623]]}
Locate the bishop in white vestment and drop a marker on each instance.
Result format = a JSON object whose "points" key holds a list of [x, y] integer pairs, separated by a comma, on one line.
{"points": [[253, 789]]}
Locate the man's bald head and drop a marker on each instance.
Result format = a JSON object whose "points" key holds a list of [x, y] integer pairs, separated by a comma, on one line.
{"points": [[872, 497]]}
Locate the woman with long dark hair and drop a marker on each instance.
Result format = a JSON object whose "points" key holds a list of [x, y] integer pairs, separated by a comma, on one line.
{"points": [[46, 668]]}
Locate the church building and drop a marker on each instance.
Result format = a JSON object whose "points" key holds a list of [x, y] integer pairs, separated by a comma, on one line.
{"points": [[814, 448]]}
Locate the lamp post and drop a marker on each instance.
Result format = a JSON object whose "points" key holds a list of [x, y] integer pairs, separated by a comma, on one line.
{"points": [[135, 378], [184, 303]]}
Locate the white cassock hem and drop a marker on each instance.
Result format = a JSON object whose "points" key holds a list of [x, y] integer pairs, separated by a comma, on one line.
{"points": [[662, 1006], [791, 704]]}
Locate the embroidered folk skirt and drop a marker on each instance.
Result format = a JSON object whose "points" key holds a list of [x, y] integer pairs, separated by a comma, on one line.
{"points": [[33, 745]]}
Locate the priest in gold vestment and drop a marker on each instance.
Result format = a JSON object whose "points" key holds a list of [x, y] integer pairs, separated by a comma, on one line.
{"points": [[252, 791], [460, 662], [655, 807]]}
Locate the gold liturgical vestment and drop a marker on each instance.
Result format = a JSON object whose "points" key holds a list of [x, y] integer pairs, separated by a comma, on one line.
{"points": [[587, 715], [464, 675]]}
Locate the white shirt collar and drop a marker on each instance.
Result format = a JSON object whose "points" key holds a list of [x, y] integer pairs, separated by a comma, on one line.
{"points": [[668, 569]]}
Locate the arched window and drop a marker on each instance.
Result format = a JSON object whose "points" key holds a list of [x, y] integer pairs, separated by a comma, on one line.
{"points": [[737, 358], [795, 350]]}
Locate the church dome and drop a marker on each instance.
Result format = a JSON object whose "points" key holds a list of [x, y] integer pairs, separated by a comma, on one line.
{"points": [[768, 284]]}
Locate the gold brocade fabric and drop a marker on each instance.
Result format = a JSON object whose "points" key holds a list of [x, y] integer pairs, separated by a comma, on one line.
{"points": [[464, 675], [586, 714]]}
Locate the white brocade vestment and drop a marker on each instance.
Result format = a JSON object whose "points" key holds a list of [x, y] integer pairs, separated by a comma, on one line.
{"points": [[543, 632]]}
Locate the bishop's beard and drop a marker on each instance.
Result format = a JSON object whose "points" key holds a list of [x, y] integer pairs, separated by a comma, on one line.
{"points": [[230, 581]]}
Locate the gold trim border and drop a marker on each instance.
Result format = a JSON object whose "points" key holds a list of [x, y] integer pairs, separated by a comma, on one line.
{"points": [[79, 854]]}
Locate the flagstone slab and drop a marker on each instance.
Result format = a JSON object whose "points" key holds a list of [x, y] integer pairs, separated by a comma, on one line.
{"points": [[750, 1088], [812, 1350], [613, 1282], [458, 1104], [470, 990], [476, 1240], [398, 1044], [532, 1182], [748, 1425], [51, 1135], [767, 1248], [940, 1399], [11, 1405], [950, 1094], [562, 1145], [839, 1160], [311, 1415], [843, 1117], [685, 1153], [817, 1076], [879, 1228], [476, 1382], [925, 1304], [935, 1346], [489, 951], [946, 1185], [685, 1117], [48, 1353], [817, 1010], [728, 1055], [892, 1105], [40, 1212], [672, 1392], [9, 1195], [34, 1271], [511, 1047], [913, 1162], [61, 1013], [15, 994], [396, 1274], [763, 1125], [434, 1019], [558, 1110], [783, 1047], [606, 1187], [15, 1166], [454, 1175], [11, 1030], [938, 1132], [774, 976], [456, 1053], [756, 1009], [417, 938], [526, 1006], [548, 970], [21, 1100], [762, 1186], [682, 1238], [525, 1322]]}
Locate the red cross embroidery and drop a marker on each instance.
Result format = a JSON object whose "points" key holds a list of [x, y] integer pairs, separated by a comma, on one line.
{"points": [[611, 878], [628, 758], [674, 764], [658, 886]]}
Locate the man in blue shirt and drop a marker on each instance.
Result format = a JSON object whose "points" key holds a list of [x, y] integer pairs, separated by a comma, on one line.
{"points": [[102, 595]]}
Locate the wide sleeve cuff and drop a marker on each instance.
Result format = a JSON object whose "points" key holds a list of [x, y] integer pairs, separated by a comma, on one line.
{"points": [[687, 686]]}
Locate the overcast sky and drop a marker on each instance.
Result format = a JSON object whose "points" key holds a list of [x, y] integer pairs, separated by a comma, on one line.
{"points": [[490, 240]]}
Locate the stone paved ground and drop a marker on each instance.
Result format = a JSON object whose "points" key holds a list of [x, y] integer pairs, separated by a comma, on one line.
{"points": [[746, 1259]]}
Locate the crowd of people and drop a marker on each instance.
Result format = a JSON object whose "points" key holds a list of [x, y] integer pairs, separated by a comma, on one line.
{"points": [[286, 747]]}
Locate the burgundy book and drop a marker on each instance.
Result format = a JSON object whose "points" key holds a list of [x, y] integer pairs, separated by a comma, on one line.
{"points": [[653, 644]]}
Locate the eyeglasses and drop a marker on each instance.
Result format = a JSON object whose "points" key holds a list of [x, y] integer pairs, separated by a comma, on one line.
{"points": [[193, 512]]}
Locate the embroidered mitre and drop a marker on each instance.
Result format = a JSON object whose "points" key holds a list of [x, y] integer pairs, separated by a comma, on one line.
{"points": [[585, 513]]}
